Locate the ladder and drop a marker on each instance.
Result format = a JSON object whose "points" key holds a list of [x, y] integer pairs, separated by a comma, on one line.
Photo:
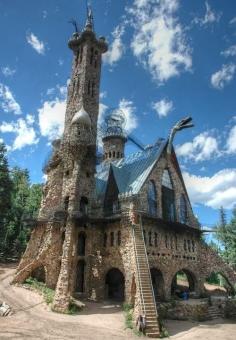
{"points": [[148, 303]]}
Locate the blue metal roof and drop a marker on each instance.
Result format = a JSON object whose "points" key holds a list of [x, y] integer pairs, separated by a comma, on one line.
{"points": [[131, 172]]}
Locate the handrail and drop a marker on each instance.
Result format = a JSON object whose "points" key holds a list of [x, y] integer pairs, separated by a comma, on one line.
{"points": [[149, 272], [138, 269]]}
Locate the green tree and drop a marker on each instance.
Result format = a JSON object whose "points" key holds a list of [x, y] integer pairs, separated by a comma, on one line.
{"points": [[5, 194]]}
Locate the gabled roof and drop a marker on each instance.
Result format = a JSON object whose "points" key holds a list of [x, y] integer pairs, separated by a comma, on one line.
{"points": [[131, 172]]}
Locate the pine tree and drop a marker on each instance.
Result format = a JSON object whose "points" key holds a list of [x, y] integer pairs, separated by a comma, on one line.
{"points": [[5, 194]]}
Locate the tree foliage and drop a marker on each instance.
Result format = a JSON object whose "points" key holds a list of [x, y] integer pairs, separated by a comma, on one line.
{"points": [[19, 202]]}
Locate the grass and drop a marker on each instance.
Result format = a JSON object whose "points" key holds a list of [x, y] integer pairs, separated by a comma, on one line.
{"points": [[128, 310], [48, 293]]}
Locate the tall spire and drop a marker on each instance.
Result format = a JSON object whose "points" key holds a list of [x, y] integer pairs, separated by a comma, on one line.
{"points": [[89, 22]]}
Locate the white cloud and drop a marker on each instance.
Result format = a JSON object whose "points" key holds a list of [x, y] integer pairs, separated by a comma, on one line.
{"points": [[210, 17], [230, 52], [163, 107], [224, 76], [51, 118], [37, 45], [23, 130], [203, 147], [8, 103], [116, 49], [128, 108], [233, 21], [103, 95], [231, 141], [159, 41], [7, 71], [216, 191], [1, 140]]}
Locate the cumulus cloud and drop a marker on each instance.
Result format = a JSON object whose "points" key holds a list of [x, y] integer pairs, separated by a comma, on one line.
{"points": [[203, 147], [128, 108], [8, 102], [209, 18], [231, 141], [163, 107], [34, 41], [116, 49], [224, 76], [51, 118], [230, 52], [7, 71], [159, 41], [215, 191], [233, 21], [23, 130]]}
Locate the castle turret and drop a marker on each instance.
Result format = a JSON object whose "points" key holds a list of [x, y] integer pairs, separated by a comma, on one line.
{"points": [[114, 137]]}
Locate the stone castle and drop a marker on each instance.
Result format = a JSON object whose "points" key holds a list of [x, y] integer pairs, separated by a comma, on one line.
{"points": [[120, 229]]}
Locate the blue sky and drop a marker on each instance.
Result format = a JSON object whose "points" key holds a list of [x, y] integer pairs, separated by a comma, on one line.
{"points": [[166, 59]]}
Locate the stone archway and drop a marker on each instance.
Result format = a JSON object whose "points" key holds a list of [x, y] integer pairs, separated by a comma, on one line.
{"points": [[39, 274], [115, 285], [158, 284], [183, 281]]}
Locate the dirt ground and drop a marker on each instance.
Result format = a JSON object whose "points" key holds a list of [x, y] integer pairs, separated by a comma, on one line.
{"points": [[32, 319]]}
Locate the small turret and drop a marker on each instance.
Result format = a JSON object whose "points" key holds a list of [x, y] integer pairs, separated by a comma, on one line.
{"points": [[114, 138]]}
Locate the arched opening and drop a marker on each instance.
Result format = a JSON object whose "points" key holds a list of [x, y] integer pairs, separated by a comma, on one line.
{"points": [[39, 274], [81, 244], [115, 284], [152, 198], [84, 205], [168, 197], [183, 209], [183, 283], [217, 284], [80, 276], [158, 284]]}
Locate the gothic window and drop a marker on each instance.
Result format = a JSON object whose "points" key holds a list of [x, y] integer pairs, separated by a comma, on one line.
{"points": [[168, 197], [105, 240], [183, 209], [89, 86], [91, 56], [152, 198], [84, 205], [112, 239], [119, 238], [81, 244], [189, 245], [185, 245], [110, 154], [114, 154], [118, 155], [93, 89], [155, 239], [66, 203], [150, 238]]}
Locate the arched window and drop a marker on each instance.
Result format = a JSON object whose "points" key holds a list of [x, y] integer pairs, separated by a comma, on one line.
{"points": [[152, 198], [119, 238], [112, 239], [118, 155], [193, 246], [84, 205], [168, 197], [81, 244], [155, 239], [183, 209], [114, 154]]}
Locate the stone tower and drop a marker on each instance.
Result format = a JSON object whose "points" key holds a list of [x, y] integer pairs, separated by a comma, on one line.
{"points": [[114, 137], [70, 185]]}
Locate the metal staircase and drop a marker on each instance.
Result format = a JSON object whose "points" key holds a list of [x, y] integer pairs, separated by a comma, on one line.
{"points": [[148, 303]]}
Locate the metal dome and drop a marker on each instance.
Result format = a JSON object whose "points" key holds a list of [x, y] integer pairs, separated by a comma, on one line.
{"points": [[115, 122], [81, 117]]}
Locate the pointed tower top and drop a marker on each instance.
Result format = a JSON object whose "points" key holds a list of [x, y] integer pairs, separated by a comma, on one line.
{"points": [[89, 22]]}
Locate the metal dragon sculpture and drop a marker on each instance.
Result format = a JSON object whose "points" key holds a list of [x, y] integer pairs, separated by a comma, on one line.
{"points": [[184, 123]]}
